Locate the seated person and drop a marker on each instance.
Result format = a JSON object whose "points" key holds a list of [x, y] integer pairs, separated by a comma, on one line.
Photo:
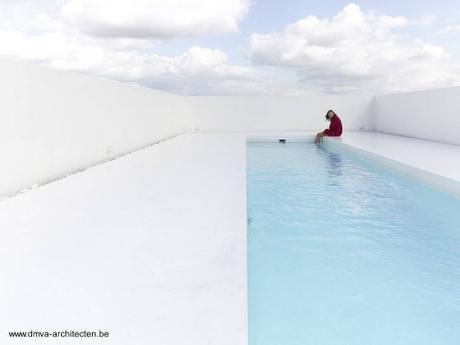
{"points": [[335, 127]]}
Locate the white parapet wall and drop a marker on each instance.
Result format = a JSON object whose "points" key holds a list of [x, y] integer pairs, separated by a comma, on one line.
{"points": [[432, 115], [53, 123], [278, 113]]}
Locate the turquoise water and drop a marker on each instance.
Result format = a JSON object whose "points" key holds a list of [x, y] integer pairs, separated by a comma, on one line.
{"points": [[341, 251]]}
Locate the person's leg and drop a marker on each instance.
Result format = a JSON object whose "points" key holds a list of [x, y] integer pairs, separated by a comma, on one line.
{"points": [[318, 137]]}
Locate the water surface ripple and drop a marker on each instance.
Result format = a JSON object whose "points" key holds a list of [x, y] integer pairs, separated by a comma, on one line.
{"points": [[341, 251]]}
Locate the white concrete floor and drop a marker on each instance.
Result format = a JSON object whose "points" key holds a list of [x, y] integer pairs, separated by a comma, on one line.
{"points": [[151, 247]]}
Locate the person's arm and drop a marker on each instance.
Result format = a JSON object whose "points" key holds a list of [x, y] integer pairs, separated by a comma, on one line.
{"points": [[330, 129], [331, 132]]}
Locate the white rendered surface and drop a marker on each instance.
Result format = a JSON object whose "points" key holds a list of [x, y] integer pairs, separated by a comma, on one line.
{"points": [[432, 115], [429, 162], [150, 247], [278, 113], [53, 123], [434, 157], [433, 163]]}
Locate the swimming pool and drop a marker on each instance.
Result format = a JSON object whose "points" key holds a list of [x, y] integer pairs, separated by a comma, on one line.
{"points": [[343, 251]]}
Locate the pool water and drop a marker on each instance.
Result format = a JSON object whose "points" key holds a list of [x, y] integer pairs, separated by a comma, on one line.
{"points": [[343, 251]]}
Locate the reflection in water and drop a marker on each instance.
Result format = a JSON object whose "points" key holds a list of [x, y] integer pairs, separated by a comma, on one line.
{"points": [[340, 248], [333, 160]]}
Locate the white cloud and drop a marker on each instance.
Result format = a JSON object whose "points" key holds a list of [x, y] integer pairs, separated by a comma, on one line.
{"points": [[198, 71], [35, 32], [116, 39], [423, 20], [202, 71], [451, 29], [355, 50], [18, 14], [154, 18]]}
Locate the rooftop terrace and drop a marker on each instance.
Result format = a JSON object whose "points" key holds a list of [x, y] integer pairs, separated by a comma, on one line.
{"points": [[151, 246]]}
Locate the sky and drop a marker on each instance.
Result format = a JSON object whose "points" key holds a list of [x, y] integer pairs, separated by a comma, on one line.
{"points": [[227, 47]]}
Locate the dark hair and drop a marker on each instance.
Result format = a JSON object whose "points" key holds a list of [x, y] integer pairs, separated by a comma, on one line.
{"points": [[330, 110]]}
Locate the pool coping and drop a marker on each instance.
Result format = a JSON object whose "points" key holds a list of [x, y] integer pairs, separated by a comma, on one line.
{"points": [[390, 160]]}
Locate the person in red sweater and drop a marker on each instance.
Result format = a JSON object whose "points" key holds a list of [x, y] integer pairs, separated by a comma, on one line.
{"points": [[335, 127]]}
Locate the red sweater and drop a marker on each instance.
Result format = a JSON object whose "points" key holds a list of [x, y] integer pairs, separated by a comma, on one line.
{"points": [[335, 128]]}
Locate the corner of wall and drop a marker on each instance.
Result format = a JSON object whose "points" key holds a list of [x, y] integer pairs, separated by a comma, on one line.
{"points": [[372, 110]]}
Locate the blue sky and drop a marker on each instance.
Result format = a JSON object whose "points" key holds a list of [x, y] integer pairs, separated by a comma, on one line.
{"points": [[202, 47], [273, 15]]}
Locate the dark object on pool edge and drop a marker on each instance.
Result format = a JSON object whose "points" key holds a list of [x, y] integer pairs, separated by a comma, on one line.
{"points": [[282, 141]]}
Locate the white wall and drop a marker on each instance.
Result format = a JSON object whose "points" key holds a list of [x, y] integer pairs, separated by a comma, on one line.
{"points": [[53, 123], [432, 115], [278, 113]]}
